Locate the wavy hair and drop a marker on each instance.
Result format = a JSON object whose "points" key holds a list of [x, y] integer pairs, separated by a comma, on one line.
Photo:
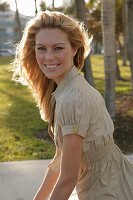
{"points": [[26, 66]]}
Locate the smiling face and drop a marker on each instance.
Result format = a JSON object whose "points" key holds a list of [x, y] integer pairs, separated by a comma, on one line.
{"points": [[54, 53]]}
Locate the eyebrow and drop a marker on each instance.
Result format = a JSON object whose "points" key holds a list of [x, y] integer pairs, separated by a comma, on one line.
{"points": [[53, 45]]}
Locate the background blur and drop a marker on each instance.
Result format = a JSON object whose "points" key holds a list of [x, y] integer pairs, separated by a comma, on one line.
{"points": [[108, 68]]}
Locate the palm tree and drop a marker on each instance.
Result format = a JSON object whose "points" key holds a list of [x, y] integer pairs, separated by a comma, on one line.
{"points": [[125, 32], [35, 8], [53, 4], [18, 21], [42, 5], [4, 6], [130, 36], [108, 28], [81, 15]]}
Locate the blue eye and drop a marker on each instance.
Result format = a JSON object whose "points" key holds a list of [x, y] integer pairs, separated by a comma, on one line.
{"points": [[41, 48], [58, 48]]}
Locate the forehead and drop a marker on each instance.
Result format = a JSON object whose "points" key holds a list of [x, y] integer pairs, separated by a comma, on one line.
{"points": [[51, 35]]}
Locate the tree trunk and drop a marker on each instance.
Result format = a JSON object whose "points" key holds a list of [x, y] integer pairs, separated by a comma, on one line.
{"points": [[18, 21], [108, 30], [124, 19], [81, 15], [118, 74], [53, 7], [35, 8], [130, 36]]}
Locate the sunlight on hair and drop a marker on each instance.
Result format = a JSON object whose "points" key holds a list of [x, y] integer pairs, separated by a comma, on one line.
{"points": [[25, 67]]}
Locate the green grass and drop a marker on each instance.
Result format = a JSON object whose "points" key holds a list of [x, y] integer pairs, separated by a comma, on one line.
{"points": [[122, 87], [20, 118]]}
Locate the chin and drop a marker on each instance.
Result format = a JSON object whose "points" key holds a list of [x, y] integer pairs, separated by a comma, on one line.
{"points": [[51, 77]]}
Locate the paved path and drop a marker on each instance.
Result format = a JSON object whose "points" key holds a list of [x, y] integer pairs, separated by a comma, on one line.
{"points": [[21, 179]]}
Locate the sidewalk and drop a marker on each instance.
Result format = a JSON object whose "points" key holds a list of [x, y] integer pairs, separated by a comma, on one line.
{"points": [[21, 179]]}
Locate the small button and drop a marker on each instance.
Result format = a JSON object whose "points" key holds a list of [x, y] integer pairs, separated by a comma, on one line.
{"points": [[75, 129]]}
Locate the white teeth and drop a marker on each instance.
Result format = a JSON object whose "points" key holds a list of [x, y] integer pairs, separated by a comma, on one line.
{"points": [[51, 67]]}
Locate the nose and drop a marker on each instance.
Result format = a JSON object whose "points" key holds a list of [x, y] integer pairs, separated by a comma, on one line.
{"points": [[49, 55]]}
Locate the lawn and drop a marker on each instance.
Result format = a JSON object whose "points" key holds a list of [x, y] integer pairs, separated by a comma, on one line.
{"points": [[20, 121], [122, 87]]}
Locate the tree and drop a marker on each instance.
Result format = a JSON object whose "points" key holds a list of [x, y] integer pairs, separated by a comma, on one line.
{"points": [[70, 9], [108, 28], [130, 36], [53, 4], [94, 22], [125, 32], [4, 6], [81, 15], [18, 21], [94, 25], [35, 8], [42, 6]]}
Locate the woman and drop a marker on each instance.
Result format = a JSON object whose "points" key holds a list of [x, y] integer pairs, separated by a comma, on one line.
{"points": [[50, 56]]}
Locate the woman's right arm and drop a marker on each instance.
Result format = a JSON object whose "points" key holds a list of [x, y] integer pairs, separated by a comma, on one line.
{"points": [[49, 181]]}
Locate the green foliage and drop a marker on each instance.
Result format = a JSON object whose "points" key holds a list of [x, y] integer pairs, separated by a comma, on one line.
{"points": [[4, 6], [43, 6], [70, 10], [94, 19]]}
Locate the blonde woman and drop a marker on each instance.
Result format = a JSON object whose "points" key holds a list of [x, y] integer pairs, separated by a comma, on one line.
{"points": [[50, 57]]}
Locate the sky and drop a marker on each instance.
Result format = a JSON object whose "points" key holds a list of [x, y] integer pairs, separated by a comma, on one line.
{"points": [[27, 7]]}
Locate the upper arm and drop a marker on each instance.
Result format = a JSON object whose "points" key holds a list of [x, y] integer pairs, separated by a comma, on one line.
{"points": [[73, 118], [71, 156]]}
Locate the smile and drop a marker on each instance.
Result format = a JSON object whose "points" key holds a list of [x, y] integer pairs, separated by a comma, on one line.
{"points": [[49, 66]]}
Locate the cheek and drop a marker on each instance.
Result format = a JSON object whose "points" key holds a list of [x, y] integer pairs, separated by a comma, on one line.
{"points": [[39, 57], [63, 56]]}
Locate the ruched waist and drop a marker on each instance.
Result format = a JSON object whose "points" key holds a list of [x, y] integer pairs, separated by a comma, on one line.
{"points": [[102, 153]]}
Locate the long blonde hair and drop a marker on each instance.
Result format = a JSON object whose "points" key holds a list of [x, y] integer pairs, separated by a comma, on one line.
{"points": [[25, 64]]}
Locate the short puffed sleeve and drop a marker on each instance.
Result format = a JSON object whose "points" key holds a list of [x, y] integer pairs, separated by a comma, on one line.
{"points": [[74, 114]]}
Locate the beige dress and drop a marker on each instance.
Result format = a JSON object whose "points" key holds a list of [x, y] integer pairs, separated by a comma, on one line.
{"points": [[105, 173]]}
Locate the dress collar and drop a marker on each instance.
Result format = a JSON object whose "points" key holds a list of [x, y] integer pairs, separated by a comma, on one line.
{"points": [[72, 73]]}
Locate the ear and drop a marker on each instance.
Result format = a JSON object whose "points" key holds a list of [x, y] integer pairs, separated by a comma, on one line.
{"points": [[75, 49]]}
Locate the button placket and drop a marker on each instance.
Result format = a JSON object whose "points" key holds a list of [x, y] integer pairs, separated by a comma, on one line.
{"points": [[52, 113]]}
